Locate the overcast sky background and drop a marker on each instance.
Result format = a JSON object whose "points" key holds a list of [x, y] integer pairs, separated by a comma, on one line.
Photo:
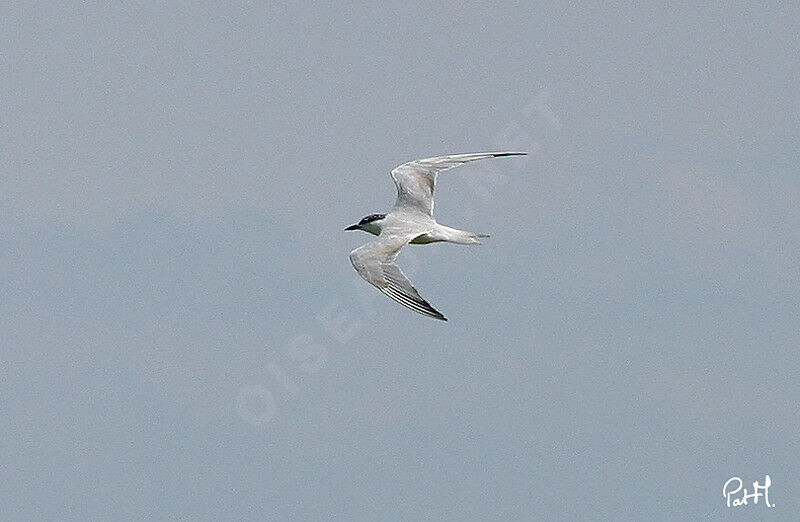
{"points": [[182, 333]]}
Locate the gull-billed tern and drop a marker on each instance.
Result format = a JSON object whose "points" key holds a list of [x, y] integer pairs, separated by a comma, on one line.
{"points": [[410, 221]]}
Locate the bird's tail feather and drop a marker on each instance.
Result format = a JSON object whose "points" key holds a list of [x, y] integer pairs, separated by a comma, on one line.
{"points": [[477, 238], [471, 238], [461, 237]]}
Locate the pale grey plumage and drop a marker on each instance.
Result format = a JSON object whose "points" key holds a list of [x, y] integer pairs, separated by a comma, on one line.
{"points": [[375, 262], [416, 180], [410, 221]]}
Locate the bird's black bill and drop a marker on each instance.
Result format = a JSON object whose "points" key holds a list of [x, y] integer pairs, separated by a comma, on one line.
{"points": [[352, 227]]}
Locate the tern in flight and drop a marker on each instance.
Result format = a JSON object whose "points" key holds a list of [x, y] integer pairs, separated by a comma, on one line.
{"points": [[410, 221]]}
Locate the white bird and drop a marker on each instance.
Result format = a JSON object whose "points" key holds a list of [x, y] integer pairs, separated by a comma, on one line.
{"points": [[410, 221]]}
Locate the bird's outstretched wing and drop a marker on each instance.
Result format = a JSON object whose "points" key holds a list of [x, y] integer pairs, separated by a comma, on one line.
{"points": [[375, 263], [416, 179]]}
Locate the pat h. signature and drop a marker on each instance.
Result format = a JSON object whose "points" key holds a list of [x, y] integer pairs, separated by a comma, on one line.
{"points": [[735, 496]]}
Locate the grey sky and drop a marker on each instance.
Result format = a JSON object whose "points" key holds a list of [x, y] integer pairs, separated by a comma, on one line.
{"points": [[174, 185]]}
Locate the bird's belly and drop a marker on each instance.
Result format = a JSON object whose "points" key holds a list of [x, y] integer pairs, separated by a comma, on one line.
{"points": [[424, 239]]}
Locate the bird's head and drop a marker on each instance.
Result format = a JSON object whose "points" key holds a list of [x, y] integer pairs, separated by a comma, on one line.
{"points": [[371, 224]]}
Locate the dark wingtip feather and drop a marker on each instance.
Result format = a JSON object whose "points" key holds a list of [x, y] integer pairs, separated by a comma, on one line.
{"points": [[502, 154]]}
